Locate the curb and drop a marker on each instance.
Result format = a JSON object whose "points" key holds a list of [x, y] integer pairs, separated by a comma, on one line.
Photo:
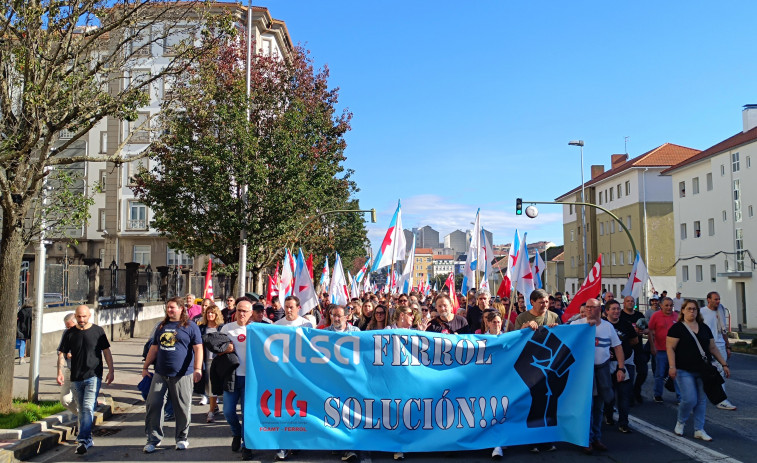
{"points": [[41, 436]]}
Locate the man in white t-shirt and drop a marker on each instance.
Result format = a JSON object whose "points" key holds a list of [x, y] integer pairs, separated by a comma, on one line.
{"points": [[292, 314], [714, 317], [605, 339], [237, 332]]}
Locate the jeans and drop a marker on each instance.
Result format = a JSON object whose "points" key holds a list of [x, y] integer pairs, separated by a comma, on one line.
{"points": [[661, 371], [604, 395], [693, 398], [623, 395], [85, 393], [230, 401]]}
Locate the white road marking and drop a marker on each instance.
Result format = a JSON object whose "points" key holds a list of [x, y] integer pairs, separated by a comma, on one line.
{"points": [[688, 447]]}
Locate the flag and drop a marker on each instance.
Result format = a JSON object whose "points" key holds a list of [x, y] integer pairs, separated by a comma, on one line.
{"points": [[512, 258], [523, 278], [636, 279], [536, 269], [591, 287], [309, 263], [208, 292], [273, 286], [405, 282], [287, 277], [487, 253], [450, 283], [325, 279], [304, 286], [338, 290], [393, 247], [363, 270], [367, 287]]}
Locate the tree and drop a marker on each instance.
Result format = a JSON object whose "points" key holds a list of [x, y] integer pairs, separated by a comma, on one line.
{"points": [[288, 151], [61, 64]]}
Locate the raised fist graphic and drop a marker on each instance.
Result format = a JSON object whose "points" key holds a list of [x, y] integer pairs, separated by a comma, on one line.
{"points": [[544, 365]]}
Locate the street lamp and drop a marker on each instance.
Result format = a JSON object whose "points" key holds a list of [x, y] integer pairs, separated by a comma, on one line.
{"points": [[580, 143]]}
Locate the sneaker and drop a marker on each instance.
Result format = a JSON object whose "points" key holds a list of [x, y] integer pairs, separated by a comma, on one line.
{"points": [[282, 455], [211, 418], [204, 400], [497, 453], [169, 417], [726, 405], [678, 430], [549, 447], [599, 446], [702, 435], [534, 449], [609, 421], [624, 429], [349, 456], [236, 443], [81, 449], [149, 448], [182, 445], [658, 399], [399, 456]]}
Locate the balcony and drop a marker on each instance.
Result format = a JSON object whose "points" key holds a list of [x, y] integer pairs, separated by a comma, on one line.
{"points": [[138, 224]]}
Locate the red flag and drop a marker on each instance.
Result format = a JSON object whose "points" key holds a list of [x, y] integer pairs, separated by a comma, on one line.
{"points": [[309, 263], [591, 288], [450, 283], [208, 293], [505, 288]]}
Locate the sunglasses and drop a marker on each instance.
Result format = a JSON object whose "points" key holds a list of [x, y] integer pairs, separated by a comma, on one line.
{"points": [[380, 313], [424, 310]]}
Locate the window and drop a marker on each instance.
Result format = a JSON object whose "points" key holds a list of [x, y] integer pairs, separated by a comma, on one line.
{"points": [[613, 259], [685, 273], [695, 186], [137, 216], [737, 200], [683, 231], [604, 261], [709, 181], [601, 228], [139, 129], [103, 142], [169, 82], [141, 43], [178, 258], [103, 178], [573, 262], [751, 211], [631, 258], [611, 195], [628, 222], [132, 169], [142, 254], [628, 187], [572, 235], [711, 227], [698, 272], [697, 229], [612, 226], [748, 162], [681, 189], [570, 209], [735, 164], [622, 257], [740, 250], [101, 255], [600, 198], [100, 219], [174, 39], [725, 216], [619, 191], [722, 170], [713, 273]]}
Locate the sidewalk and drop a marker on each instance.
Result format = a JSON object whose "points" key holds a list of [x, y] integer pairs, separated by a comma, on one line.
{"points": [[115, 398]]}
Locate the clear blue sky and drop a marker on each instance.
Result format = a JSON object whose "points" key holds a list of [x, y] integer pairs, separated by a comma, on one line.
{"points": [[461, 105]]}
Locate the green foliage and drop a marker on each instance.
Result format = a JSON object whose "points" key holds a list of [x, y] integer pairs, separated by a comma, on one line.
{"points": [[24, 412], [288, 153]]}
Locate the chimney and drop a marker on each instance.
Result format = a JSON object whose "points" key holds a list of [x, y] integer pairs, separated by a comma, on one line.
{"points": [[618, 159], [597, 170], [749, 116]]}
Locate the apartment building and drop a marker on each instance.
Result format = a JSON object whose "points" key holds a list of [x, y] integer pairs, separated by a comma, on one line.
{"points": [[638, 195], [715, 230]]}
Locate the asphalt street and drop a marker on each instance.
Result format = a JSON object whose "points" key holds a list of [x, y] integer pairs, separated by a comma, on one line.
{"points": [[734, 434]]}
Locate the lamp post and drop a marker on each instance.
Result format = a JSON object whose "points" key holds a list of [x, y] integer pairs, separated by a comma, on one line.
{"points": [[242, 275], [580, 143]]}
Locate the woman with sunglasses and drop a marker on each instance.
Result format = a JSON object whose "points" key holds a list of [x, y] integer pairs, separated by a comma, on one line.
{"points": [[378, 322], [406, 317]]}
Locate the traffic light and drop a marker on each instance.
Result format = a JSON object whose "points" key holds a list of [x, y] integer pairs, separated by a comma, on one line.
{"points": [[518, 206]]}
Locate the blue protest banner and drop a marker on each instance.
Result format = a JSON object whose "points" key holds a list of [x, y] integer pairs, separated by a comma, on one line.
{"points": [[412, 391]]}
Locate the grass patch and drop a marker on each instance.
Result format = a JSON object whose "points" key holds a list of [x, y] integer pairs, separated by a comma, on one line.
{"points": [[25, 412]]}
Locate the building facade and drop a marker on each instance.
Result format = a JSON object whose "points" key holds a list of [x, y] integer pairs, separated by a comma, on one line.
{"points": [[456, 240], [638, 195], [714, 196]]}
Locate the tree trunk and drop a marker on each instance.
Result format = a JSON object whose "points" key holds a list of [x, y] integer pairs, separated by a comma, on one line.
{"points": [[11, 255]]}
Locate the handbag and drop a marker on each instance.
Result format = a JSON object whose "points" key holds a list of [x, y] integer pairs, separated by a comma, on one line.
{"points": [[712, 381]]}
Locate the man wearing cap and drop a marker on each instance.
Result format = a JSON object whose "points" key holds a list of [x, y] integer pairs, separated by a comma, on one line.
{"points": [[258, 314]]}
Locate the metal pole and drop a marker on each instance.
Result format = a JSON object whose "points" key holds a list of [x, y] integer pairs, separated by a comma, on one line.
{"points": [[242, 277], [33, 387], [583, 211]]}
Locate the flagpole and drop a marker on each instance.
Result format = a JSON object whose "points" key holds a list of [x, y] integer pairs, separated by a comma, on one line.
{"points": [[394, 251]]}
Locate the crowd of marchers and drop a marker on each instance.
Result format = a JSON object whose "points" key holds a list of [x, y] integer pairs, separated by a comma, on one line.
{"points": [[196, 352]]}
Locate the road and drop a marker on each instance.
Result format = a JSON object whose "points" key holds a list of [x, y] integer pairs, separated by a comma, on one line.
{"points": [[734, 433]]}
